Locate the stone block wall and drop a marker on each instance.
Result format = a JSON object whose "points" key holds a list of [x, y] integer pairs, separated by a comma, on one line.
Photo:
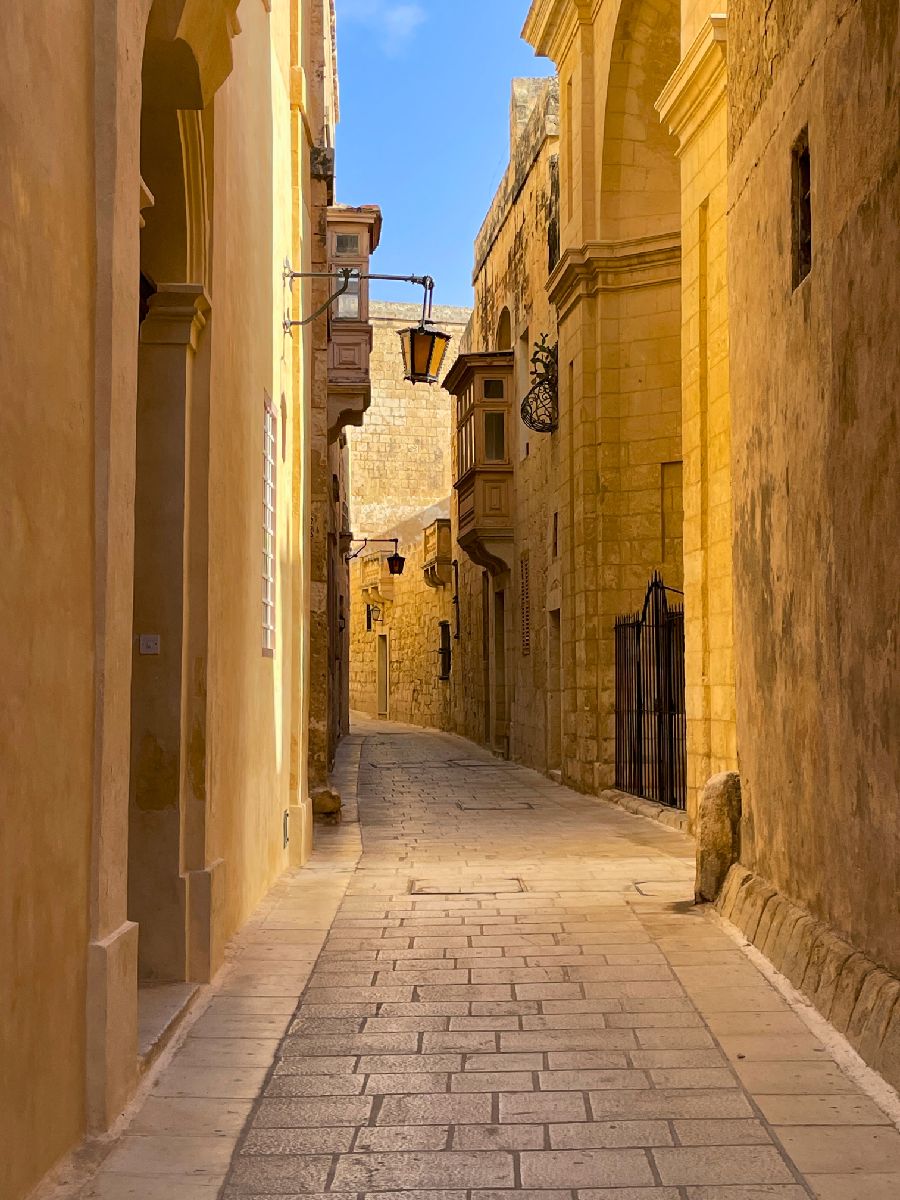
{"points": [[400, 481], [816, 443], [399, 457], [410, 623], [694, 105], [513, 253]]}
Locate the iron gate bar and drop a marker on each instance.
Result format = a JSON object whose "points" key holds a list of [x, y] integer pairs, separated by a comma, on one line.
{"points": [[650, 716]]}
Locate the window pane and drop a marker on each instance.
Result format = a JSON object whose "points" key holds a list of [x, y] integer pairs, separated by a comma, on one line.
{"points": [[494, 437], [493, 389], [346, 243], [348, 303]]}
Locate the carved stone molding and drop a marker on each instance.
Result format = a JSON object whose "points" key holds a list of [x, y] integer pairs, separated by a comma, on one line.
{"points": [[613, 267], [698, 84]]}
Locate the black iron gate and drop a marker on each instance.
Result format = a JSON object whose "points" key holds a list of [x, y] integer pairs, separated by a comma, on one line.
{"points": [[651, 726]]}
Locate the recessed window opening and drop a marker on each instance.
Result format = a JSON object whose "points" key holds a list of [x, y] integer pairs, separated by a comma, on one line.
{"points": [[504, 331], [368, 618], [801, 209], [445, 650], [525, 603]]}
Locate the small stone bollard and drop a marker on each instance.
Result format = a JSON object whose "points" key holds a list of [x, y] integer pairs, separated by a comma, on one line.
{"points": [[718, 834], [326, 804]]}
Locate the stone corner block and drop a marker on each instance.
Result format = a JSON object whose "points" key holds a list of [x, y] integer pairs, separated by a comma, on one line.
{"points": [[718, 833]]}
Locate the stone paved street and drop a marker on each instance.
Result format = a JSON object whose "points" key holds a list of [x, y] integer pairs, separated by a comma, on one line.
{"points": [[515, 993]]}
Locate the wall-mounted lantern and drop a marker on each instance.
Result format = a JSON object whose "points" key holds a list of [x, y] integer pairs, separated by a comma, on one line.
{"points": [[396, 563], [423, 346], [540, 407]]}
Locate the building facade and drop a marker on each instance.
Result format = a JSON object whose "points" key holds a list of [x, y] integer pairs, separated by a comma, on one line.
{"points": [[156, 515], [400, 483], [812, 252], [713, 423]]}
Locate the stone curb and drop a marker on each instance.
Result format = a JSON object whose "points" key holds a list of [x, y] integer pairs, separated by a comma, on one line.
{"points": [[859, 998], [639, 807]]}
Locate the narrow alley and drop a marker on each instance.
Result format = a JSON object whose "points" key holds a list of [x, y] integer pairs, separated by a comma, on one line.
{"points": [[514, 991]]}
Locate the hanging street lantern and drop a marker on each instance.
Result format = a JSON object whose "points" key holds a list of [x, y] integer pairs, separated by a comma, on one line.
{"points": [[423, 347], [423, 353], [396, 563]]}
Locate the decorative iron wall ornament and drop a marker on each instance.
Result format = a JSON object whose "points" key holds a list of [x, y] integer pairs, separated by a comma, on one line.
{"points": [[540, 408]]}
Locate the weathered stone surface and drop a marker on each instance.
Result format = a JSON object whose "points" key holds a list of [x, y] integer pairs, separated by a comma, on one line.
{"points": [[718, 833]]}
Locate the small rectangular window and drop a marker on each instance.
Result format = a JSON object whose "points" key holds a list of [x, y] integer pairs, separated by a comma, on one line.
{"points": [[525, 603], [368, 618], [493, 389], [494, 437], [801, 209], [445, 650], [346, 243], [270, 439]]}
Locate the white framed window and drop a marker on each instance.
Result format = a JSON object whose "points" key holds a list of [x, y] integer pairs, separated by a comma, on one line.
{"points": [[270, 443]]}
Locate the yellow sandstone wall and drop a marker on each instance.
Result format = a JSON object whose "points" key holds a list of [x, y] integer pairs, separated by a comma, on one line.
{"points": [[513, 257], [251, 712], [815, 382], [47, 629], [617, 290], [399, 461], [80, 388], [410, 622], [694, 105]]}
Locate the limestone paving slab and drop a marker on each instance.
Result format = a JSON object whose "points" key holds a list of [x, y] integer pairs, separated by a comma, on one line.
{"points": [[581, 1039]]}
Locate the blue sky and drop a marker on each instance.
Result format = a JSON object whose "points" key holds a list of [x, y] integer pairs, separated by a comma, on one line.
{"points": [[424, 128]]}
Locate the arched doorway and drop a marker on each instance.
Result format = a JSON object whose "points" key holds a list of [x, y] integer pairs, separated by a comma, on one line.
{"points": [[168, 884]]}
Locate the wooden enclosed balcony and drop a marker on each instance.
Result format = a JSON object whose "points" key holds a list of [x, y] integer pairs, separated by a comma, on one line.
{"points": [[377, 582], [437, 559], [483, 471], [353, 234]]}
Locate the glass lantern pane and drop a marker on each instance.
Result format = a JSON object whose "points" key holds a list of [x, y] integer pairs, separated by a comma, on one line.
{"points": [[404, 348], [439, 349], [421, 352]]}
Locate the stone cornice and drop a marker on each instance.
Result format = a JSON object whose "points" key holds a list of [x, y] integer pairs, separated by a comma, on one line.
{"points": [[698, 83], [551, 25], [613, 267]]}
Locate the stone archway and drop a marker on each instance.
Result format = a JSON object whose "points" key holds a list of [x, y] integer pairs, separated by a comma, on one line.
{"points": [[639, 300], [192, 39]]}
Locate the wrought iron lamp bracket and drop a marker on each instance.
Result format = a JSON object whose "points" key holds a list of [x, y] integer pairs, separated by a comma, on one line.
{"points": [[343, 277], [540, 407], [395, 542]]}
